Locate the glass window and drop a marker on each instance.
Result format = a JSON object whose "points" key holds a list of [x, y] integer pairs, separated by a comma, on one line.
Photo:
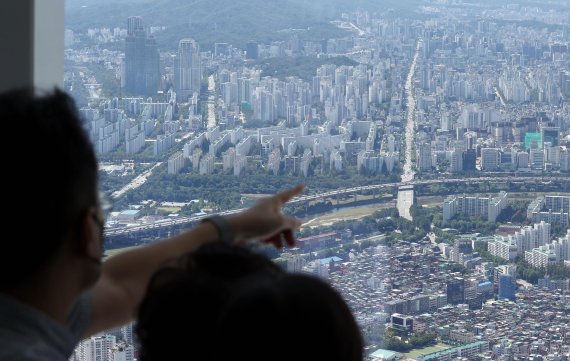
{"points": [[433, 138]]}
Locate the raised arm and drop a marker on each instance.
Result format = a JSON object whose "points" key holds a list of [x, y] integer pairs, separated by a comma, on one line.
{"points": [[121, 287]]}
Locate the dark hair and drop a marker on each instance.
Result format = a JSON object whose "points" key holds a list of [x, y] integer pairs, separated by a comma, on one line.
{"points": [[50, 178], [231, 303]]}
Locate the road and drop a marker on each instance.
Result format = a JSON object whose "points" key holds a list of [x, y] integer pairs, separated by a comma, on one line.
{"points": [[346, 25], [498, 94], [211, 102], [432, 237], [94, 91], [359, 30], [408, 170], [186, 220], [135, 183]]}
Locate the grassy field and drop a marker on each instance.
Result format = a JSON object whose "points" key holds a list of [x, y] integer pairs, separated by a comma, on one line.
{"points": [[169, 209], [427, 350], [530, 195], [346, 214], [430, 201]]}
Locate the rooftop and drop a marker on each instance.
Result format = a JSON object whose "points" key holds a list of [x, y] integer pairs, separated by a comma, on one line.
{"points": [[130, 212], [383, 354]]}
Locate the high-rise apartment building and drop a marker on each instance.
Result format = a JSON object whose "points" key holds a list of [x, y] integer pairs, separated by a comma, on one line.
{"points": [[531, 237], [519, 243], [96, 348], [207, 164], [503, 247], [188, 69], [557, 251], [424, 157], [489, 207], [541, 257], [455, 160], [142, 61], [562, 248], [550, 209], [176, 163]]}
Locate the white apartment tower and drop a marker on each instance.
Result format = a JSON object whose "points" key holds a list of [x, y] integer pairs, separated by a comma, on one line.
{"points": [[489, 207], [175, 163], [96, 348], [207, 164], [188, 69]]}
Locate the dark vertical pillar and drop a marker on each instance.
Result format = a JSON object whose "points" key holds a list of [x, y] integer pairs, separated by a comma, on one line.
{"points": [[16, 43], [31, 43]]}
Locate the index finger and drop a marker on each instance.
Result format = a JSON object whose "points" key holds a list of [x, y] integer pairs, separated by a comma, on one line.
{"points": [[287, 195]]}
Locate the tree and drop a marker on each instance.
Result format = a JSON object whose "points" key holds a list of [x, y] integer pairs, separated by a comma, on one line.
{"points": [[420, 340], [529, 273], [394, 344]]}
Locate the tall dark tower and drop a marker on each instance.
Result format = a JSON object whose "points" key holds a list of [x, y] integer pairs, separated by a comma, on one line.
{"points": [[151, 67], [133, 24], [251, 50], [142, 68]]}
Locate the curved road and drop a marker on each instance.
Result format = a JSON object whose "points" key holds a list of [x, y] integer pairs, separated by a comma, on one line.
{"points": [[185, 220]]}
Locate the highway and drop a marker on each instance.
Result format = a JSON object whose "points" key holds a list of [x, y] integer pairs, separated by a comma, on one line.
{"points": [[305, 198], [211, 103], [135, 183], [408, 169], [499, 96]]}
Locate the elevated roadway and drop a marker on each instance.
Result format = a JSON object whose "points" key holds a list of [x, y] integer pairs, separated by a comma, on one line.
{"points": [[165, 224]]}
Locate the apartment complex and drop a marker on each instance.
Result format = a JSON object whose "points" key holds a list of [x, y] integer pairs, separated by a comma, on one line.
{"points": [[473, 206]]}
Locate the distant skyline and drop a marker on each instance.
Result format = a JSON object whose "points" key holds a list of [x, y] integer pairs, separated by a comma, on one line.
{"points": [[224, 20]]}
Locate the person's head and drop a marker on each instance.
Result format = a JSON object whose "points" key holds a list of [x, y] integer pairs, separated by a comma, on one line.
{"points": [[227, 302], [50, 188]]}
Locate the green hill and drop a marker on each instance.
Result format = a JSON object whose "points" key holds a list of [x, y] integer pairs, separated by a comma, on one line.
{"points": [[303, 67]]}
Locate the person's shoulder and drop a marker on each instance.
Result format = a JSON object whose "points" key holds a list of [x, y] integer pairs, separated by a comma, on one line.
{"points": [[80, 316], [17, 350]]}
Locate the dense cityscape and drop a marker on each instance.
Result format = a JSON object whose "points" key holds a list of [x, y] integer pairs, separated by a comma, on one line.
{"points": [[435, 146]]}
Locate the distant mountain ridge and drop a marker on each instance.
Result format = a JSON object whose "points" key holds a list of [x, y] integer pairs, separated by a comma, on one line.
{"points": [[231, 21]]}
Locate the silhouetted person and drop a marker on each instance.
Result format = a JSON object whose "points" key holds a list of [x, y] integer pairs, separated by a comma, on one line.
{"points": [[54, 289], [228, 303]]}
